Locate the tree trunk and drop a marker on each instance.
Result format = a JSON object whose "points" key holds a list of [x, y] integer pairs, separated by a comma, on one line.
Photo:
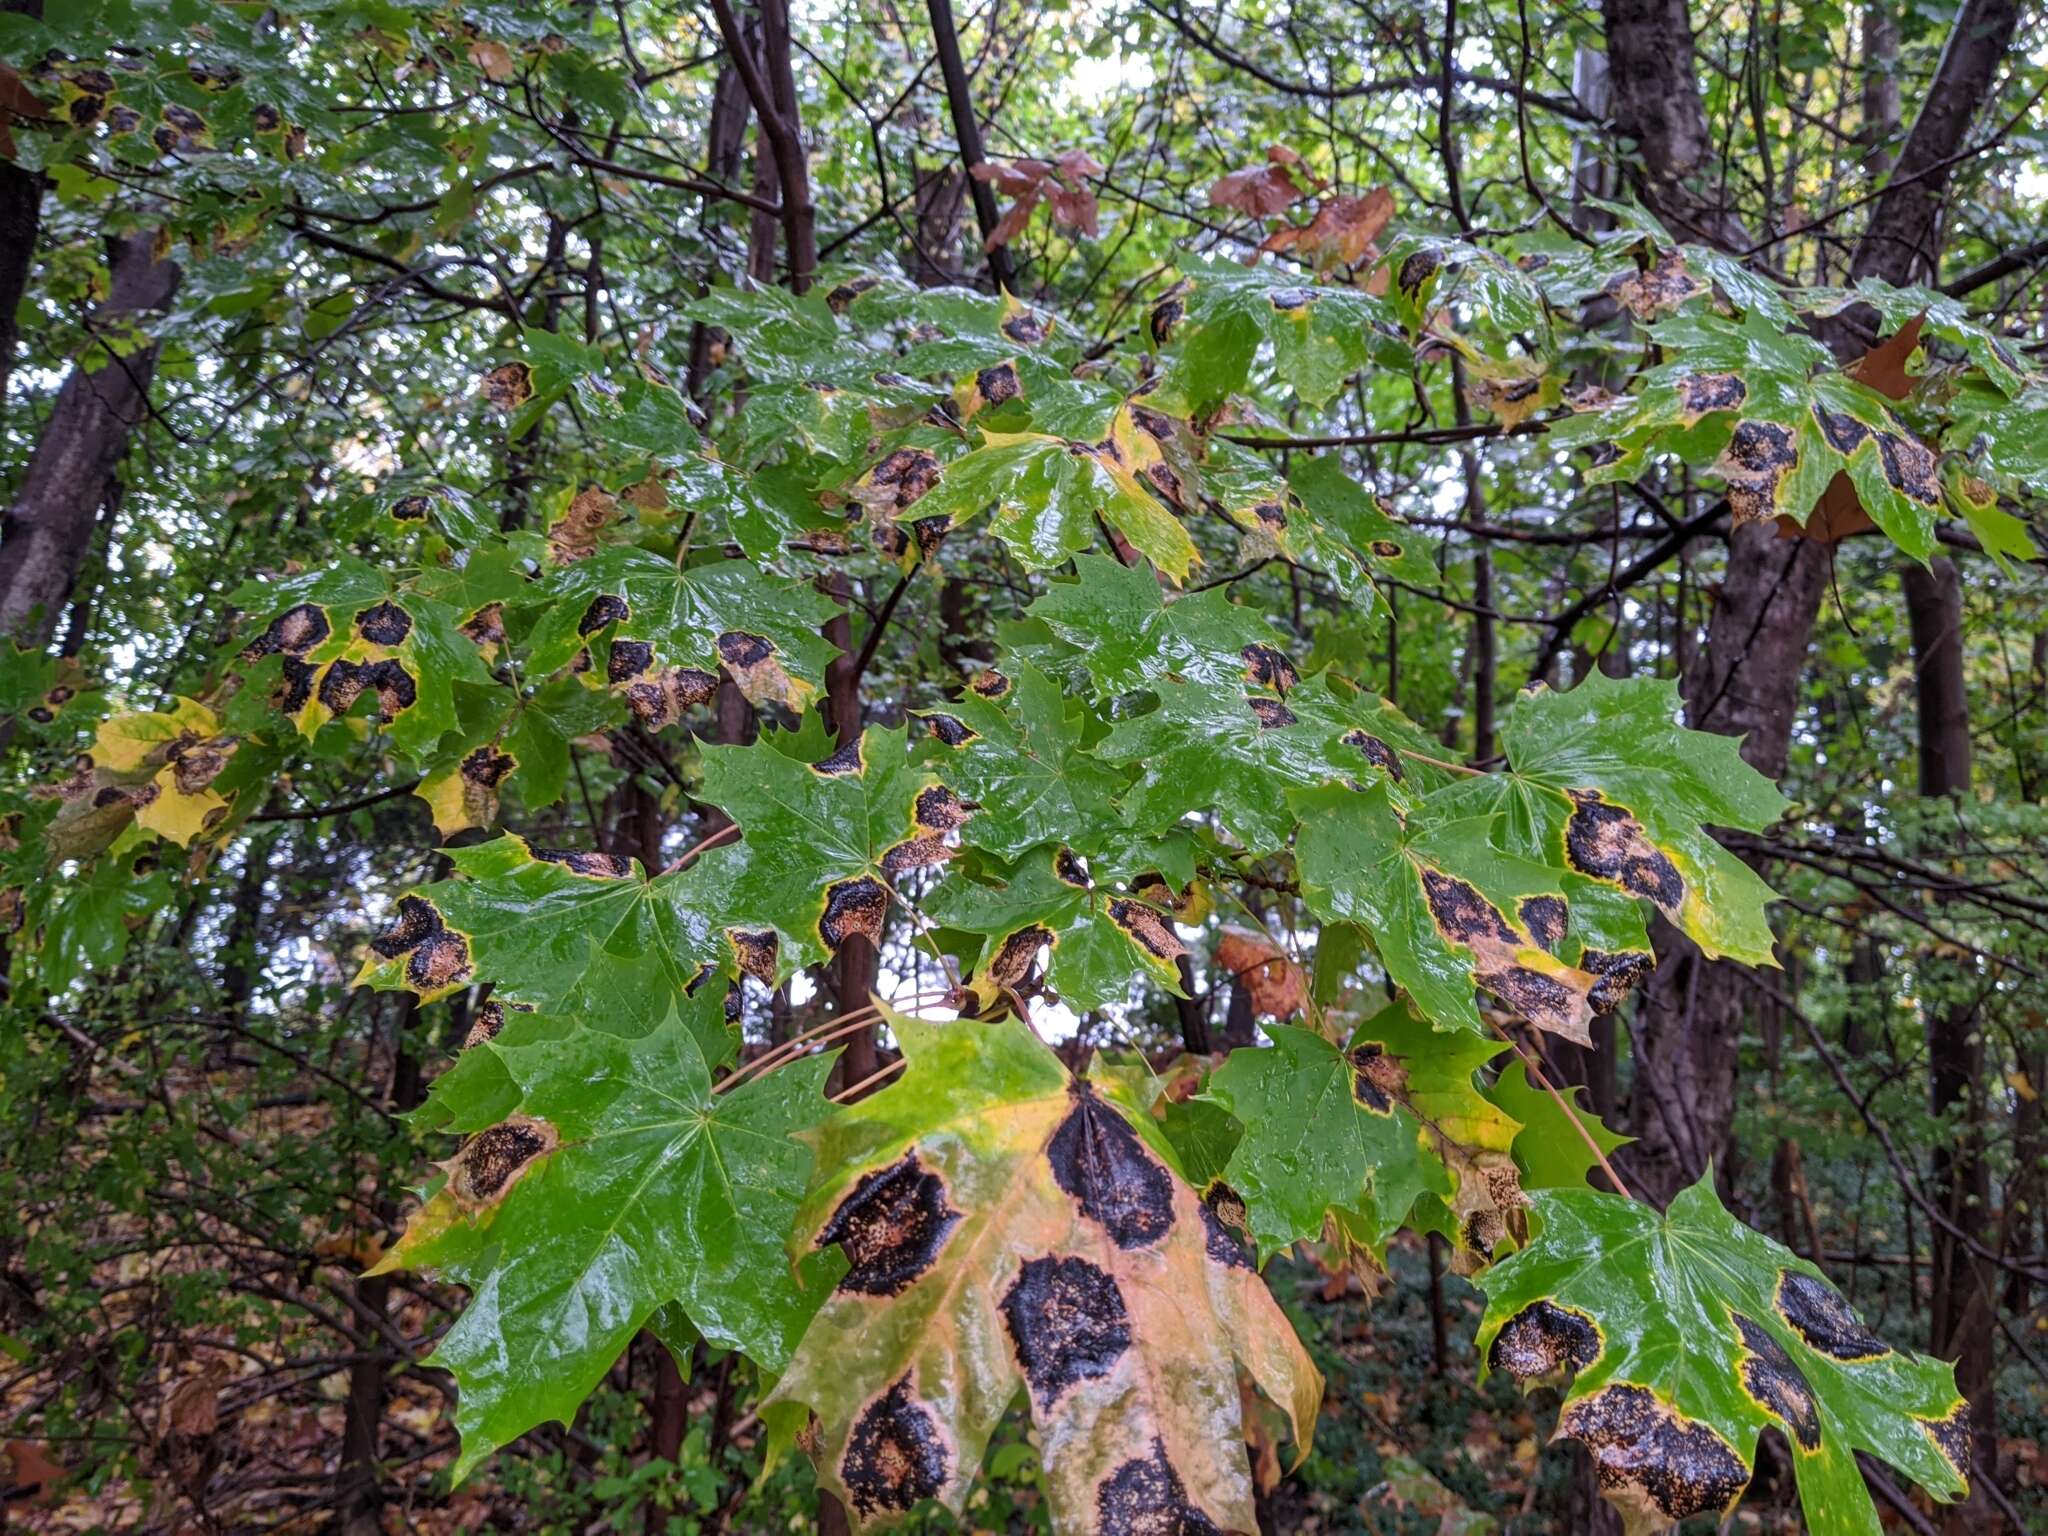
{"points": [[967, 131], [49, 527]]}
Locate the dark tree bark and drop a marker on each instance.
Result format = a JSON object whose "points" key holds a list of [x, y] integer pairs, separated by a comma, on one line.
{"points": [[1746, 679], [967, 130], [771, 87], [45, 534], [21, 219]]}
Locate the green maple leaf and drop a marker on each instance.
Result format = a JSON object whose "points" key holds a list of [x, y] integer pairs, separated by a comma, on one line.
{"points": [[1944, 317], [1101, 939], [667, 633], [562, 1214], [1432, 273], [1604, 784], [1131, 637], [1446, 909], [827, 844], [1235, 749], [1044, 494], [353, 633], [1008, 1230], [1220, 315], [1321, 1133], [1684, 1335], [539, 922], [1024, 760], [1763, 407], [1552, 1147]]}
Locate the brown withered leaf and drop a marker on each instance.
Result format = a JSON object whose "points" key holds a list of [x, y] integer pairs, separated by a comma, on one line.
{"points": [[1341, 233], [507, 386], [1261, 190], [1839, 514], [1254, 961], [1062, 182]]}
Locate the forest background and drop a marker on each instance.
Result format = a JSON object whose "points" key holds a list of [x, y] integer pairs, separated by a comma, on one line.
{"points": [[492, 294]]}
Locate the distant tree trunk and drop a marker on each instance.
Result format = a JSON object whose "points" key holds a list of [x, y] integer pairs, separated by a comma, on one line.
{"points": [[967, 131], [1746, 679], [359, 1482], [1964, 1301], [44, 535], [21, 222], [725, 149]]}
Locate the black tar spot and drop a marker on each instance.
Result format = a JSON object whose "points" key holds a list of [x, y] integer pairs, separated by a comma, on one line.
{"points": [[940, 810], [296, 687], [486, 767], [846, 760], [1544, 1343], [488, 1024], [292, 633], [628, 659], [595, 866], [1546, 917], [951, 730], [1067, 1322], [1224, 1221], [441, 960], [1760, 454], [842, 296], [1375, 1076], [740, 649], [853, 907], [604, 609], [1641, 1445], [1271, 713], [491, 1159], [1068, 868], [891, 1227], [345, 681], [1263, 664], [989, 683], [1700, 393], [384, 624], [1285, 299], [1538, 998], [757, 950], [997, 384], [1773, 1380], [1619, 974], [1462, 914], [1147, 929], [415, 920], [909, 473], [1844, 432], [1417, 270], [1909, 468], [1145, 1497], [1951, 1437], [1027, 327], [1607, 842], [1098, 1159], [895, 1455], [1819, 1315], [1378, 753], [1386, 549], [1013, 961]]}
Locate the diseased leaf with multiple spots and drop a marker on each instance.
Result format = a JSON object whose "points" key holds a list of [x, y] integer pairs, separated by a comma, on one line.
{"points": [[603, 1177], [1446, 909], [1604, 783], [157, 768], [827, 845], [1016, 746], [1007, 1230], [1765, 408], [1680, 1337], [354, 633], [539, 921], [1047, 922], [1044, 493], [1325, 1130], [661, 636]]}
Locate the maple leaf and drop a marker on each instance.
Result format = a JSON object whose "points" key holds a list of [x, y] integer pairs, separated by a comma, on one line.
{"points": [[561, 1208], [1264, 189], [1007, 1229], [1341, 233], [1681, 1336]]}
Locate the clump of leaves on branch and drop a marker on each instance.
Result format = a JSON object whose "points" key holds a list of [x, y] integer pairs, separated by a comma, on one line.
{"points": [[1144, 747]]}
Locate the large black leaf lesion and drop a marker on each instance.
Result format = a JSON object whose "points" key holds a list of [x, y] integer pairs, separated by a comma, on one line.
{"points": [[495, 1159], [1545, 1344], [1097, 1159], [1068, 1323], [1815, 1311], [1146, 1497], [1774, 1380], [1650, 1459], [896, 1454], [891, 1227], [436, 956]]}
